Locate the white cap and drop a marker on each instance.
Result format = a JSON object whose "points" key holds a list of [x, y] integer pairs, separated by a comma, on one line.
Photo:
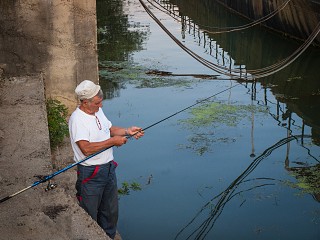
{"points": [[87, 89]]}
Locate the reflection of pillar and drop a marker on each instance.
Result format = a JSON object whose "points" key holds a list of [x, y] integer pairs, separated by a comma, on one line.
{"points": [[194, 30], [286, 162], [183, 27], [223, 62], [254, 90], [278, 109], [229, 98], [253, 94], [252, 134], [302, 132]]}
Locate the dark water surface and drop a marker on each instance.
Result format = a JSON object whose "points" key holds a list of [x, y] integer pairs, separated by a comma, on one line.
{"points": [[242, 165]]}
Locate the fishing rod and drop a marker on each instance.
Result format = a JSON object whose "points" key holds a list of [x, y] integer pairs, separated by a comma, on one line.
{"points": [[47, 178]]}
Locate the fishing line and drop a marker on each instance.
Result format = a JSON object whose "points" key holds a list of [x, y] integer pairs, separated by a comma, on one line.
{"points": [[198, 102], [47, 178]]}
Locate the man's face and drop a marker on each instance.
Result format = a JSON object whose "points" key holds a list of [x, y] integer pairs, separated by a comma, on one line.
{"points": [[93, 105]]}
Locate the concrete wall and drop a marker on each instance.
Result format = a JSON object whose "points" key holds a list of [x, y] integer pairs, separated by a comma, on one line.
{"points": [[56, 39], [45, 46]]}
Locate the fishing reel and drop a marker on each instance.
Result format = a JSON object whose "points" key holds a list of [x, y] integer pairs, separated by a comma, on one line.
{"points": [[50, 185]]}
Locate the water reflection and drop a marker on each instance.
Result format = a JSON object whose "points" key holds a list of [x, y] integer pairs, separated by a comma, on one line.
{"points": [[308, 179], [171, 168], [119, 39], [211, 211], [297, 85]]}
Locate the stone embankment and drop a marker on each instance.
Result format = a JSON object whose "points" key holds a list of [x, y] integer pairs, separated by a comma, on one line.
{"points": [[46, 48], [24, 154]]}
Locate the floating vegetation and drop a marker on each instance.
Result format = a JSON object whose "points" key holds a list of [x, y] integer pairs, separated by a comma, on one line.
{"points": [[214, 112], [119, 71], [164, 73], [137, 75], [204, 139], [127, 187], [308, 179]]}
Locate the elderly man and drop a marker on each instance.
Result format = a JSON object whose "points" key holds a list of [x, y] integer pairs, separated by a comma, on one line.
{"points": [[90, 132]]}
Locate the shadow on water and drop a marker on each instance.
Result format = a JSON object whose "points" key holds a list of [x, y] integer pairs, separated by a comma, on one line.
{"points": [[295, 92]]}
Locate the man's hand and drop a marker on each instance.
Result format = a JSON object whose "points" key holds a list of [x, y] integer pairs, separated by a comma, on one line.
{"points": [[136, 132], [119, 140]]}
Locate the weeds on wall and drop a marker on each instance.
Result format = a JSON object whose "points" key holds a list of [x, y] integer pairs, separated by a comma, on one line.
{"points": [[57, 123]]}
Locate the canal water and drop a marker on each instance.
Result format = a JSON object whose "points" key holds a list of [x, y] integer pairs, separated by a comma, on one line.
{"points": [[221, 158]]}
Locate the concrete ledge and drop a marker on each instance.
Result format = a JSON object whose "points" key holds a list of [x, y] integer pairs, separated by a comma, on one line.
{"points": [[24, 153]]}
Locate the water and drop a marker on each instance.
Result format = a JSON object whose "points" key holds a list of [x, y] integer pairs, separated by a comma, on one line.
{"points": [[235, 144]]}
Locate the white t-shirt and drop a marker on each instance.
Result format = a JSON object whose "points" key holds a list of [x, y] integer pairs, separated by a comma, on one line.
{"points": [[83, 126]]}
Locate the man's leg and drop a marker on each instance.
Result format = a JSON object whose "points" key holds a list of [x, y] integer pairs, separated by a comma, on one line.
{"points": [[108, 209], [89, 189]]}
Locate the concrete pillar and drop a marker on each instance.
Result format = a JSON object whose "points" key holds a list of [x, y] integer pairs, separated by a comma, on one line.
{"points": [[73, 48], [54, 38]]}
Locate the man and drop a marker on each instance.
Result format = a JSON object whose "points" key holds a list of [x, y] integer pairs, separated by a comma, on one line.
{"points": [[90, 132]]}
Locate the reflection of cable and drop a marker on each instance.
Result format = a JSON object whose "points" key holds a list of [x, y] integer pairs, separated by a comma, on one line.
{"points": [[263, 72], [226, 29], [236, 73], [215, 67], [254, 23], [205, 227]]}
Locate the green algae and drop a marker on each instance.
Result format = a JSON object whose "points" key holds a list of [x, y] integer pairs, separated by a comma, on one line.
{"points": [[308, 179], [220, 113], [127, 187], [125, 71], [215, 114]]}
